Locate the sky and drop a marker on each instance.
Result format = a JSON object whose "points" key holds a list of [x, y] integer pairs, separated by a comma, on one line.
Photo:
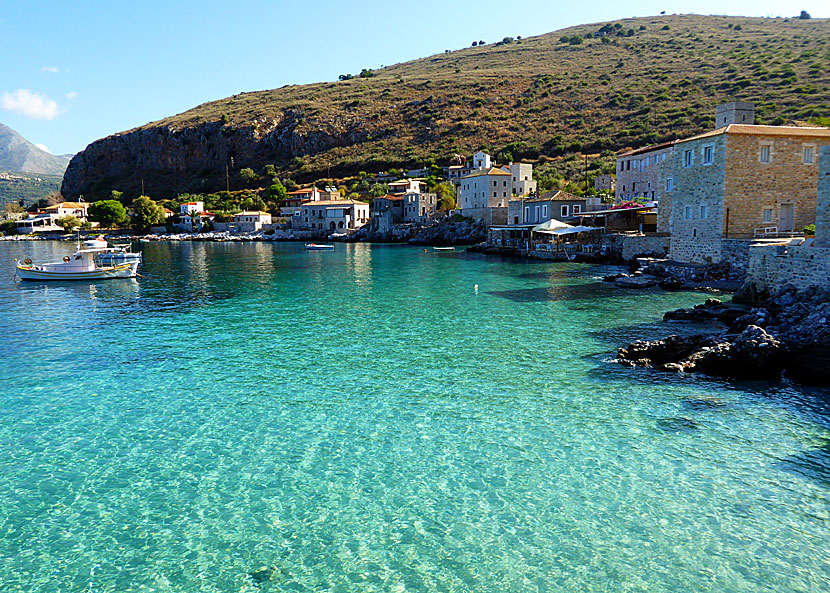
{"points": [[73, 72]]}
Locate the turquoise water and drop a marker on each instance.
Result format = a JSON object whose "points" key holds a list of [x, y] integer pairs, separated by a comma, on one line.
{"points": [[366, 420]]}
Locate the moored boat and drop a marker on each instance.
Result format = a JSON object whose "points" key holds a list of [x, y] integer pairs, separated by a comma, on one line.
{"points": [[443, 248], [318, 247], [84, 264]]}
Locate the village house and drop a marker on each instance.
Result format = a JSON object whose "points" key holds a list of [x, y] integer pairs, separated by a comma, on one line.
{"points": [[250, 222], [195, 220], [188, 208], [485, 192], [741, 181], [76, 209], [604, 184], [38, 222], [637, 173], [419, 207], [332, 215], [291, 205], [387, 211], [556, 204]]}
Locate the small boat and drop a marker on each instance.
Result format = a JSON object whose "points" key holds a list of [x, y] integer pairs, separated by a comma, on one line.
{"points": [[84, 264], [443, 248], [318, 247], [97, 243]]}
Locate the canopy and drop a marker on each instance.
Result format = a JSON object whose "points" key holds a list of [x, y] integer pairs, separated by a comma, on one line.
{"points": [[570, 230], [550, 225]]}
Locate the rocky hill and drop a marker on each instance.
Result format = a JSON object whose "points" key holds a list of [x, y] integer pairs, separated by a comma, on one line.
{"points": [[589, 89], [18, 155]]}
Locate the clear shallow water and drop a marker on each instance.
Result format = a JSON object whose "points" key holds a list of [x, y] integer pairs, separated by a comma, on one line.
{"points": [[363, 420]]}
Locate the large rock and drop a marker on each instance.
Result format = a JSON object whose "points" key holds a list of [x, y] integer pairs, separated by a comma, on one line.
{"points": [[752, 354]]}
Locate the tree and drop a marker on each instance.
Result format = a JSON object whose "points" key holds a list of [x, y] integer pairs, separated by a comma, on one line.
{"points": [[248, 175], [68, 222], [507, 40], [446, 196], [269, 171], [276, 191], [804, 15], [107, 212], [145, 214], [475, 43], [116, 195], [10, 210], [377, 190]]}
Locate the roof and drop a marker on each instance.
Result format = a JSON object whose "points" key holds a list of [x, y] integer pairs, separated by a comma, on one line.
{"points": [[252, 213], [393, 197], [753, 130], [646, 149], [166, 210], [191, 203], [556, 196], [614, 211], [334, 203], [67, 205], [492, 171]]}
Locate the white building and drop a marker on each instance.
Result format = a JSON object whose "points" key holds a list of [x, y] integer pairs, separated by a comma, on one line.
{"points": [[332, 215], [488, 186], [191, 207], [76, 209], [38, 222], [249, 222]]}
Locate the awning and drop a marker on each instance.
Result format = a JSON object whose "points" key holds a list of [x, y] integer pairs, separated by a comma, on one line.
{"points": [[571, 230], [550, 225]]}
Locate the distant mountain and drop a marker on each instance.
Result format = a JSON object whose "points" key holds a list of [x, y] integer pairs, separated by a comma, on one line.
{"points": [[18, 155]]}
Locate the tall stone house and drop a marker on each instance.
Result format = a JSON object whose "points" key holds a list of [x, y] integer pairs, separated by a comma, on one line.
{"points": [[488, 187], [739, 182], [637, 172]]}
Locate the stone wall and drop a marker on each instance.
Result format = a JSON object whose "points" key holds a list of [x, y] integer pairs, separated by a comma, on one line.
{"points": [[630, 246], [771, 267], [489, 216]]}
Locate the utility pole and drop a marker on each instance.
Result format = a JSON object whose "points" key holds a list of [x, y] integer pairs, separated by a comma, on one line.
{"points": [[585, 169], [142, 187], [227, 180]]}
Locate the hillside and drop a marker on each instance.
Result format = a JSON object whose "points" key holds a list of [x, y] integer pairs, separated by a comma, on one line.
{"points": [[631, 83], [18, 155]]}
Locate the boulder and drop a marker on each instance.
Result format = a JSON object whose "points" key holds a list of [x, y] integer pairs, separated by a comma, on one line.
{"points": [[638, 281]]}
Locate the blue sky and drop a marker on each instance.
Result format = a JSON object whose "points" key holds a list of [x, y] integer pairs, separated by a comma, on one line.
{"points": [[73, 72]]}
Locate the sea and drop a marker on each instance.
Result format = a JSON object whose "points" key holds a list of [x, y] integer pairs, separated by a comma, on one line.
{"points": [[253, 417]]}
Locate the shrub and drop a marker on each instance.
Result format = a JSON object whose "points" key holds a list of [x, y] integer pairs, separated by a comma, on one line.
{"points": [[810, 229], [107, 212], [804, 15], [68, 223], [666, 28]]}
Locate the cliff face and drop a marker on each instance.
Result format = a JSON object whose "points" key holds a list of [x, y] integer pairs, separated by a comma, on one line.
{"points": [[191, 159], [588, 89]]}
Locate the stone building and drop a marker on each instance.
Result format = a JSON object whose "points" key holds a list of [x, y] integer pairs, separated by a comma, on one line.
{"points": [[740, 181], [637, 172], [386, 211], [485, 192], [419, 207], [604, 184]]}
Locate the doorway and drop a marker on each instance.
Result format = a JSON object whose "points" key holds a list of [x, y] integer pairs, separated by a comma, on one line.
{"points": [[786, 220]]}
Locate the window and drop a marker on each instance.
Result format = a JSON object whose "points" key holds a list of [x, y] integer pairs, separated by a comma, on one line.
{"points": [[688, 158], [688, 212], [669, 184], [708, 153], [527, 213], [808, 155], [577, 209], [634, 186], [628, 165], [564, 211], [702, 212], [544, 211], [765, 153], [767, 216]]}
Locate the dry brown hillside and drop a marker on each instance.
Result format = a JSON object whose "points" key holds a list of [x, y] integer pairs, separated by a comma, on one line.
{"points": [[542, 98]]}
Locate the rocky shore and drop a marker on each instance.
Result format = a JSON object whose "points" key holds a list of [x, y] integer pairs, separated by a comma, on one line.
{"points": [[788, 335]]}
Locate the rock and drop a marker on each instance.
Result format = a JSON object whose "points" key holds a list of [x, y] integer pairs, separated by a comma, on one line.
{"points": [[613, 277], [656, 354], [703, 402], [640, 281], [678, 424], [263, 574], [672, 283]]}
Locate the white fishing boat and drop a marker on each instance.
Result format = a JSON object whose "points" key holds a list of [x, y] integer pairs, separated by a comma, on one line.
{"points": [[318, 247], [116, 255], [443, 248], [84, 264]]}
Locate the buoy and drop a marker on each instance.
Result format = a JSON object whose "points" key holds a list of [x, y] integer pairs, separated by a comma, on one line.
{"points": [[476, 288]]}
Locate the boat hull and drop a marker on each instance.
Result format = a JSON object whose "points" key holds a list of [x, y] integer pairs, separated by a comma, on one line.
{"points": [[126, 270], [314, 247]]}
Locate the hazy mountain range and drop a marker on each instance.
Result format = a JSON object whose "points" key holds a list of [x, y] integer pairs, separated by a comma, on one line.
{"points": [[18, 155]]}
